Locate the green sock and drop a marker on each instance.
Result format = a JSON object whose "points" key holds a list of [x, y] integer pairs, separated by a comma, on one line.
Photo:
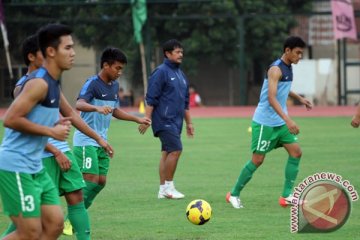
{"points": [[291, 171], [245, 176], [90, 191], [79, 219], [9, 230]]}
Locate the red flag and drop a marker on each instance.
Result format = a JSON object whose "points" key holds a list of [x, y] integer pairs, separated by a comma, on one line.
{"points": [[343, 19]]}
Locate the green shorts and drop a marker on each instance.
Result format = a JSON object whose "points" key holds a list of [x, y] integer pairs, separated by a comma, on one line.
{"points": [[23, 193], [265, 139], [68, 181], [93, 160]]}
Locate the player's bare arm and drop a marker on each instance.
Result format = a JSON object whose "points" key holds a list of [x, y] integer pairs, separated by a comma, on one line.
{"points": [[148, 113], [33, 92], [355, 122], [274, 75], [120, 114], [301, 99], [82, 105], [189, 124], [61, 159], [78, 122]]}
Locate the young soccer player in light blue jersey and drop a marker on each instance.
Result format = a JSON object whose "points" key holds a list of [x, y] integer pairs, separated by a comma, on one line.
{"points": [[58, 159], [28, 194], [98, 102], [271, 126]]}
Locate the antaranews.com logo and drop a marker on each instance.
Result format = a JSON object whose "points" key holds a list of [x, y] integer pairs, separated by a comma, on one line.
{"points": [[322, 203]]}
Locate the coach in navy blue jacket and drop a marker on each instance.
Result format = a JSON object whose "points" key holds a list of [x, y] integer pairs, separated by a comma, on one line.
{"points": [[167, 104]]}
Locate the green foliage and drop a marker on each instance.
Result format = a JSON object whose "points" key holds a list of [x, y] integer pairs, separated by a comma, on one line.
{"points": [[208, 29]]}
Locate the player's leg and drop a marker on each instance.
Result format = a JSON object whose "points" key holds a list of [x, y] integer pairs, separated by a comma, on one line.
{"points": [[247, 172], [262, 142], [20, 195], [52, 217], [52, 221], [88, 162], [78, 215], [289, 142], [171, 162], [26, 228], [103, 169], [172, 146], [162, 175], [70, 185]]}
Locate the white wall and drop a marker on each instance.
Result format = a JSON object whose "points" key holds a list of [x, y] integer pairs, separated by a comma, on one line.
{"points": [[317, 80]]}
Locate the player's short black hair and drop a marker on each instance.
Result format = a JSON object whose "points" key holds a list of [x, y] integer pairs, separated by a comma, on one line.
{"points": [[29, 45], [293, 42], [111, 55], [49, 36], [170, 45]]}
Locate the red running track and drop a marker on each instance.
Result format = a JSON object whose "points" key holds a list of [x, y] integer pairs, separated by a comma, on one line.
{"points": [[233, 112]]}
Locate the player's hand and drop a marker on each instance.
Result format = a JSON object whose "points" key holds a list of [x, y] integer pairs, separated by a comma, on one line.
{"points": [[144, 120], [293, 128], [355, 122], [64, 121], [61, 131], [109, 150], [190, 131], [104, 110], [307, 103], [63, 161], [142, 128]]}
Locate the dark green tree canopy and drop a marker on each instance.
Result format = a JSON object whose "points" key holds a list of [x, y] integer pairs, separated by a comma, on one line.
{"points": [[208, 29]]}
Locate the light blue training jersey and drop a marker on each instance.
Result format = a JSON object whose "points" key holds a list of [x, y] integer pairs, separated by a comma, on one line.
{"points": [[98, 93], [22, 152], [264, 113], [63, 146]]}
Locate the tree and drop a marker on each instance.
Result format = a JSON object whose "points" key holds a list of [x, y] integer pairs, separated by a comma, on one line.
{"points": [[208, 29]]}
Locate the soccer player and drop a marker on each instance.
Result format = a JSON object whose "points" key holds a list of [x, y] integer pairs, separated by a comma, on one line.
{"points": [[32, 57], [271, 125], [98, 102], [28, 194], [167, 100], [58, 159]]}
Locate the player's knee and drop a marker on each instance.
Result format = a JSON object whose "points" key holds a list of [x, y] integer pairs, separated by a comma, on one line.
{"points": [[31, 232], [102, 180], [56, 227], [297, 153], [258, 161]]}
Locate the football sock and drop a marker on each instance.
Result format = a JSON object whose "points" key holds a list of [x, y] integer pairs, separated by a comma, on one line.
{"points": [[245, 176], [79, 219], [9, 230], [90, 191], [169, 183], [291, 171]]}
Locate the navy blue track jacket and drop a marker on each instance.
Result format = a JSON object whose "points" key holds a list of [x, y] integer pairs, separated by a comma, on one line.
{"points": [[168, 93]]}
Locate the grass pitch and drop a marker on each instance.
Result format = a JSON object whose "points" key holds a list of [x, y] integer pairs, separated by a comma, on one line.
{"points": [[128, 207]]}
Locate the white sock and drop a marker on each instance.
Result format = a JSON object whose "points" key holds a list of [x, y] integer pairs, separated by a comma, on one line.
{"points": [[169, 183]]}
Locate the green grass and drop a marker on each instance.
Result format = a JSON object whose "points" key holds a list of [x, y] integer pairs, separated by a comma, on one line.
{"points": [[128, 207]]}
